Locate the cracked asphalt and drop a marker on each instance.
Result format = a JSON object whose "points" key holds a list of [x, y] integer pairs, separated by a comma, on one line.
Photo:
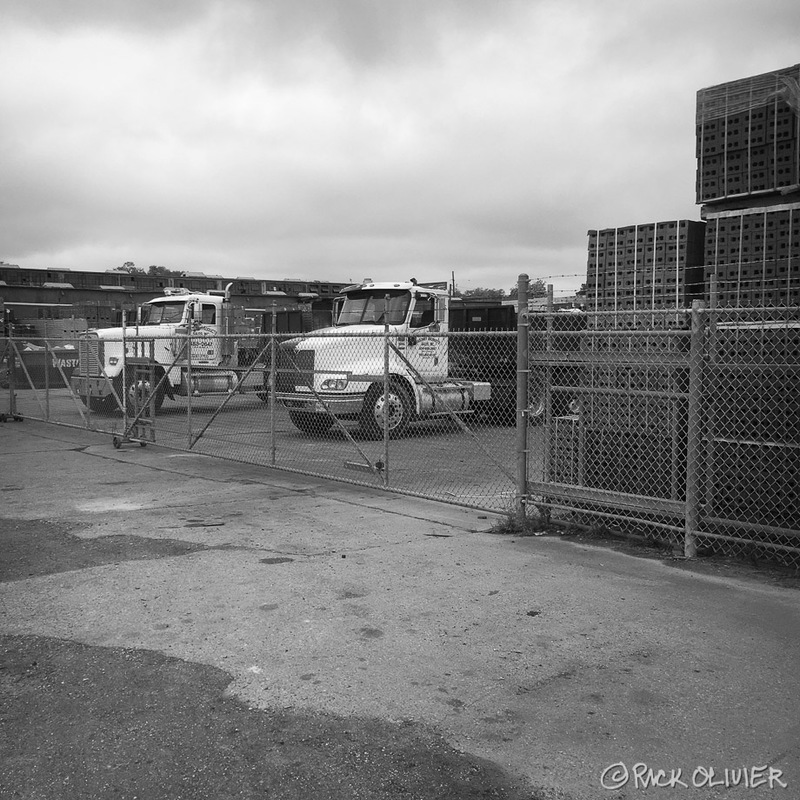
{"points": [[173, 626]]}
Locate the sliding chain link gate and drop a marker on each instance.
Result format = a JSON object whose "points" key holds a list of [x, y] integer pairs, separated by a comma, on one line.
{"points": [[253, 414]]}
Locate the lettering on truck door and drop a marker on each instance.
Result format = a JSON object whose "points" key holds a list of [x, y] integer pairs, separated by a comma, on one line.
{"points": [[206, 346], [426, 353]]}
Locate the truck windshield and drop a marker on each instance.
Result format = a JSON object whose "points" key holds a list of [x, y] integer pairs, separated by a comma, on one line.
{"points": [[163, 313], [367, 308]]}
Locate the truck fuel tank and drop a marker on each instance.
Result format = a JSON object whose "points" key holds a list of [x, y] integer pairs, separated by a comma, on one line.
{"points": [[452, 396], [213, 381]]}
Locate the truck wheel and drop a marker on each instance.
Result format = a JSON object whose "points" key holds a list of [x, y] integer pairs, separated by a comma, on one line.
{"points": [[264, 394], [397, 406], [160, 394], [138, 395], [310, 423], [116, 382], [98, 405]]}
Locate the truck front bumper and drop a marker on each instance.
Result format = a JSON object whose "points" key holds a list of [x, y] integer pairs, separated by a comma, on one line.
{"points": [[338, 405], [91, 385]]}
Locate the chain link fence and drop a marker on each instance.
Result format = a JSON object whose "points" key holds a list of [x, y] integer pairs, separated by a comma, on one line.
{"points": [[751, 398], [430, 415], [679, 427]]}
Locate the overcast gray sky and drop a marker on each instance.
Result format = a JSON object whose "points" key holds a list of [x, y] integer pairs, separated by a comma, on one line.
{"points": [[338, 139]]}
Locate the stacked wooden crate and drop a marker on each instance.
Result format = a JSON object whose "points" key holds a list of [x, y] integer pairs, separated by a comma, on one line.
{"points": [[748, 180], [639, 267]]}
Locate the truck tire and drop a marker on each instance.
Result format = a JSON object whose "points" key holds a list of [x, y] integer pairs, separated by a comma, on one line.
{"points": [[310, 423], [143, 396], [264, 394], [400, 411], [98, 405]]}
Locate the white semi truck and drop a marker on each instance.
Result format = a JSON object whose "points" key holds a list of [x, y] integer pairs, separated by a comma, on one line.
{"points": [[189, 343], [342, 372]]}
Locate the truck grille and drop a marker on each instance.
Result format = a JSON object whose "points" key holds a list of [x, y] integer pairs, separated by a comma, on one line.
{"points": [[294, 368], [90, 355]]}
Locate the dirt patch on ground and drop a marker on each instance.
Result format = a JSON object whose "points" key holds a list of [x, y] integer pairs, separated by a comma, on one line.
{"points": [[91, 722], [43, 547]]}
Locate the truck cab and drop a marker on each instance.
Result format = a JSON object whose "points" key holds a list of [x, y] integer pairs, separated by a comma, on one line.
{"points": [[170, 333], [385, 334]]}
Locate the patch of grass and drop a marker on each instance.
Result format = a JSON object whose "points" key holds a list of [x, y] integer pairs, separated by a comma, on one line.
{"points": [[513, 524]]}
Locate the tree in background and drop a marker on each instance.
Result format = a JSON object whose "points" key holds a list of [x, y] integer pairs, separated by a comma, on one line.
{"points": [[155, 271], [483, 294], [163, 272], [130, 268], [537, 288]]}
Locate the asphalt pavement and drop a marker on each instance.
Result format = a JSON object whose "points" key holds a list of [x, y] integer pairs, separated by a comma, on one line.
{"points": [[179, 626]]}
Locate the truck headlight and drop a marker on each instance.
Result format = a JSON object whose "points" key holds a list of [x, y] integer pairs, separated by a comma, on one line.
{"points": [[334, 384]]}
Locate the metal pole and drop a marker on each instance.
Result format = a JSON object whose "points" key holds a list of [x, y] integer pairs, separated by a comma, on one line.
{"points": [[548, 382], [4, 355], [522, 395], [124, 397], [547, 418], [46, 380], [386, 389], [694, 428], [273, 351], [712, 376], [189, 382], [12, 377]]}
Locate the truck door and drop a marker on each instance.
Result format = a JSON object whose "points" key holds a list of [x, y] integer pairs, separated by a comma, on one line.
{"points": [[428, 353], [206, 344]]}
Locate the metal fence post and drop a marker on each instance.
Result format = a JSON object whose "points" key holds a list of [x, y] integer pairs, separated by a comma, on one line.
{"points": [[273, 354], [522, 395], [385, 471], [694, 429], [12, 373], [712, 377], [125, 376], [547, 417], [189, 384], [47, 356]]}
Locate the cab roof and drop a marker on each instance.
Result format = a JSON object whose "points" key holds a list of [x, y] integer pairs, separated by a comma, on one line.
{"points": [[409, 286], [172, 294]]}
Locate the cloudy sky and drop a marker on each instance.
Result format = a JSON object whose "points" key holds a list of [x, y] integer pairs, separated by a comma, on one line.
{"points": [[338, 139]]}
